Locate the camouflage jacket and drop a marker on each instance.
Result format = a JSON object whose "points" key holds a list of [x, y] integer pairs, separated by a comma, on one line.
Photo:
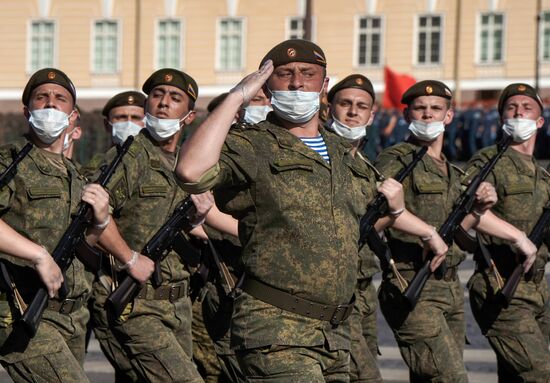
{"points": [[299, 230], [144, 192], [38, 203], [429, 194], [523, 189]]}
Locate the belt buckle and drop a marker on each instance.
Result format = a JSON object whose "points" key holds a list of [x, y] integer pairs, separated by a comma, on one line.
{"points": [[67, 306], [334, 320]]}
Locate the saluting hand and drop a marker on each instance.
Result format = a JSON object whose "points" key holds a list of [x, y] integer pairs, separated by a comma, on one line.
{"points": [[251, 84]]}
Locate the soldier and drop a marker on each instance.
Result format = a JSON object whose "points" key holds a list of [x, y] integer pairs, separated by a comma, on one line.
{"points": [[123, 117], [519, 333], [351, 102], [300, 224], [155, 328], [431, 336], [38, 204]]}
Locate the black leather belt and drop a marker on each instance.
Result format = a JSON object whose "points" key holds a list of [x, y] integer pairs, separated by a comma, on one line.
{"points": [[165, 292], [335, 314], [66, 306]]}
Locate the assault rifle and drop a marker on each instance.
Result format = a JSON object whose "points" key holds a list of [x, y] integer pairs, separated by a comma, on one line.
{"points": [[64, 252], [157, 249], [447, 231], [377, 209], [536, 236]]}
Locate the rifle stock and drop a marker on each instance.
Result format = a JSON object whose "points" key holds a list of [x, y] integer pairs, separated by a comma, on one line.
{"points": [[463, 207], [63, 253], [157, 248], [536, 236]]}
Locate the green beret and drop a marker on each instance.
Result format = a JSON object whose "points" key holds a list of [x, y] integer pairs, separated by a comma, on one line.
{"points": [[426, 88], [47, 76], [213, 104], [129, 98], [174, 77], [514, 90], [296, 51], [356, 81]]}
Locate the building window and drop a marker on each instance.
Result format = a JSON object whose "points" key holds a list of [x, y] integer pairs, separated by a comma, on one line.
{"points": [[295, 28], [545, 38], [491, 38], [369, 41], [169, 44], [42, 45], [230, 54], [106, 46], [429, 40]]}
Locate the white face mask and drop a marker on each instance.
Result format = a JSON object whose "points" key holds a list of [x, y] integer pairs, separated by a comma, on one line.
{"points": [[66, 142], [48, 124], [294, 105], [352, 134], [426, 131], [256, 113], [521, 129], [163, 128], [122, 130]]}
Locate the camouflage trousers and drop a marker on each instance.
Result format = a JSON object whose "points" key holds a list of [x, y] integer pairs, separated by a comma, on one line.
{"points": [[279, 364], [110, 346], [54, 354], [156, 336], [520, 333], [430, 337], [204, 353], [364, 337]]}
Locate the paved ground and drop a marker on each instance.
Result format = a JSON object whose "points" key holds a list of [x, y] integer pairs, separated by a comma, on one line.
{"points": [[479, 359]]}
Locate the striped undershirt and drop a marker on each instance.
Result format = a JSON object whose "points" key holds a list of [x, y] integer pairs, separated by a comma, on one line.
{"points": [[317, 144]]}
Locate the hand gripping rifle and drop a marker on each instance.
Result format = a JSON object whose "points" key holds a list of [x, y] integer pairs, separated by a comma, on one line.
{"points": [[377, 208], [447, 231], [536, 236], [6, 283], [63, 253], [157, 248]]}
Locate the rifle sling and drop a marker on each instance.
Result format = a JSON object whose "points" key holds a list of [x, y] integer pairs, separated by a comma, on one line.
{"points": [[335, 314]]}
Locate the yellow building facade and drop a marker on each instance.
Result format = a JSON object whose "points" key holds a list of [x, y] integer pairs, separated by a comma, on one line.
{"points": [[107, 46]]}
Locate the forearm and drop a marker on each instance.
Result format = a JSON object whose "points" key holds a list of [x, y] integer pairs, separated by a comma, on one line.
{"points": [[494, 226], [202, 150], [222, 222], [111, 240], [411, 224], [13, 243]]}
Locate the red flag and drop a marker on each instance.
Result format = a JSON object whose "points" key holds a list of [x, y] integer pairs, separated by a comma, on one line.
{"points": [[396, 85]]}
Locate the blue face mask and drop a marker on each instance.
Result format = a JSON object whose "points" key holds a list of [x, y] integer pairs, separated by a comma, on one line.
{"points": [[294, 105]]}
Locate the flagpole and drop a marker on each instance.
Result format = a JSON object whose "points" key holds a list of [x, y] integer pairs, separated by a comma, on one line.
{"points": [[456, 72]]}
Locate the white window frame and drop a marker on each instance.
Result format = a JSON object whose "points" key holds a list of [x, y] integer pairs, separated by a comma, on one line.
{"points": [[544, 24], [29, 67], [478, 40], [288, 30], [357, 30], [218, 44], [416, 40], [118, 46], [156, 57]]}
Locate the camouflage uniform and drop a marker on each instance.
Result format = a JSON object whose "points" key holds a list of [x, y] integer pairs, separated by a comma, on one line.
{"points": [[38, 203], [303, 222], [431, 337], [364, 337], [519, 334], [101, 288], [155, 331]]}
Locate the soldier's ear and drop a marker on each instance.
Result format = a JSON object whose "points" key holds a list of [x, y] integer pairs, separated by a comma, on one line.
{"points": [[26, 112], [406, 115]]}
